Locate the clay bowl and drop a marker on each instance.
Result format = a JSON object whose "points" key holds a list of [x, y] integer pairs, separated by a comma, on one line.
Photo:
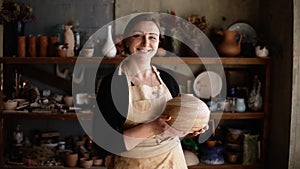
{"points": [[188, 113], [10, 105], [86, 163], [97, 161]]}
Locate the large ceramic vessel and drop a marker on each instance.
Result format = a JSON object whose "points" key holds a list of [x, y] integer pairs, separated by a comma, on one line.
{"points": [[231, 45], [188, 113]]}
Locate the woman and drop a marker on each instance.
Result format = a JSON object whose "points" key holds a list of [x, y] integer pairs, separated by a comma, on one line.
{"points": [[133, 98]]}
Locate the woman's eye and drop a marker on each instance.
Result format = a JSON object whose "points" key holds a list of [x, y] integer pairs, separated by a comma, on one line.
{"points": [[153, 37], [137, 36]]}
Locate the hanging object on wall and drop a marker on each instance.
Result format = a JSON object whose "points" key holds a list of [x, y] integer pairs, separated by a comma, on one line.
{"points": [[109, 49], [61, 74], [78, 79]]}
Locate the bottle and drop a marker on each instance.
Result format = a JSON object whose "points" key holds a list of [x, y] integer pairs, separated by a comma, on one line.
{"points": [[109, 49], [18, 135], [69, 39], [77, 38]]}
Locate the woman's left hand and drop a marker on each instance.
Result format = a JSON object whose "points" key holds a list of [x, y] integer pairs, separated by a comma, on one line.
{"points": [[206, 127]]}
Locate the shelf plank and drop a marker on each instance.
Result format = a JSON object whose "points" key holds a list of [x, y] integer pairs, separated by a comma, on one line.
{"points": [[226, 166], [243, 115], [201, 166], [88, 116], [48, 167], [48, 115], [118, 59]]}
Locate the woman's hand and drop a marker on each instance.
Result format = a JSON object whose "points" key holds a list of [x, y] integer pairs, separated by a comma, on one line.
{"points": [[206, 127], [159, 125], [137, 134]]}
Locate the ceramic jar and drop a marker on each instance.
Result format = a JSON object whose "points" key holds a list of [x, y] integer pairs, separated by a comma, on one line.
{"points": [[261, 51], [188, 113], [240, 105], [230, 46]]}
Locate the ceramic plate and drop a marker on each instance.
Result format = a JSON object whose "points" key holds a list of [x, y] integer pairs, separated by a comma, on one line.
{"points": [[207, 84], [249, 34]]}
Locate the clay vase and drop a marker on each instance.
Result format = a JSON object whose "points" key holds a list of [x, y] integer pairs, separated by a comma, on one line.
{"points": [[230, 46], [109, 49], [188, 113], [69, 39], [21, 46], [32, 46], [43, 45]]}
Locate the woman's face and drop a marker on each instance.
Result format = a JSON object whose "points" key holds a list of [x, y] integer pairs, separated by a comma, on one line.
{"points": [[144, 39]]}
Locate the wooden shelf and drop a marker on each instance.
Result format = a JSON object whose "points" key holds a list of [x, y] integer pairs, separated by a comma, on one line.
{"points": [[118, 59], [226, 166], [89, 116], [48, 167], [243, 115], [47, 115], [200, 166], [227, 62]]}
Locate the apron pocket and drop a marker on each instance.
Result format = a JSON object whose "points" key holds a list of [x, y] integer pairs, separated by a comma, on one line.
{"points": [[142, 105]]}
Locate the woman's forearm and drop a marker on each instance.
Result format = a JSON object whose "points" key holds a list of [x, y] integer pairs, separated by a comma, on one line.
{"points": [[135, 135]]}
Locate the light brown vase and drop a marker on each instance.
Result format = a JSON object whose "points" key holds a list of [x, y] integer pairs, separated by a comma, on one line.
{"points": [[43, 40], [31, 46], [188, 113], [230, 46], [52, 49], [22, 46]]}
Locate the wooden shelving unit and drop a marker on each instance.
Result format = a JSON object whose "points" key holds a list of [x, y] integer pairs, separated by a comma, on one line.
{"points": [[263, 116], [47, 115], [118, 59]]}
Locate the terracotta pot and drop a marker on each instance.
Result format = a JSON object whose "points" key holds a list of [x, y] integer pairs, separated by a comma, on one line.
{"points": [[230, 46], [71, 159], [188, 113], [211, 143], [232, 157]]}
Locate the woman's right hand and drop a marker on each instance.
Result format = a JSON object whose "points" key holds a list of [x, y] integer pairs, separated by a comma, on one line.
{"points": [[137, 134], [159, 125]]}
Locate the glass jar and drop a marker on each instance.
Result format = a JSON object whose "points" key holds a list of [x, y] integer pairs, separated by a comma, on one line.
{"points": [[240, 105]]}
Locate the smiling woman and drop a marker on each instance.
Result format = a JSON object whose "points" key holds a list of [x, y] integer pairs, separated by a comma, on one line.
{"points": [[132, 101]]}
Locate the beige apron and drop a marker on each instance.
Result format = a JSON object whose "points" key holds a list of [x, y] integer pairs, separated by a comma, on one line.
{"points": [[145, 104]]}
